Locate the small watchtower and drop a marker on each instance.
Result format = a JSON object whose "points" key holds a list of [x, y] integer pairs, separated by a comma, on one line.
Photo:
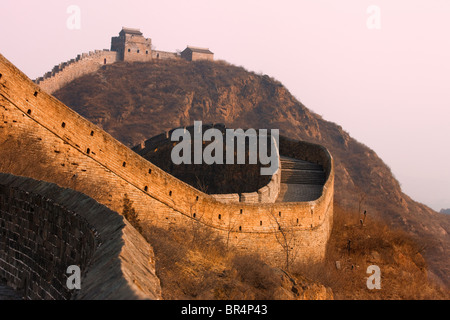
{"points": [[195, 53], [132, 46]]}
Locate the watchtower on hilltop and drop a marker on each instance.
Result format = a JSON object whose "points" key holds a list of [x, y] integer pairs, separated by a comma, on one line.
{"points": [[132, 46], [195, 53]]}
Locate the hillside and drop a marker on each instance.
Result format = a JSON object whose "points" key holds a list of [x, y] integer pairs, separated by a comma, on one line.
{"points": [[445, 211], [197, 265], [134, 102]]}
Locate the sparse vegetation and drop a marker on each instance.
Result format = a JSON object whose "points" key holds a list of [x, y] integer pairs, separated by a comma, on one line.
{"points": [[201, 267], [130, 214], [198, 265], [399, 256]]}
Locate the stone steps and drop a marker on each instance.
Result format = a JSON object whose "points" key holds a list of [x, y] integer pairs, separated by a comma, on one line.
{"points": [[295, 164], [300, 180], [302, 176]]}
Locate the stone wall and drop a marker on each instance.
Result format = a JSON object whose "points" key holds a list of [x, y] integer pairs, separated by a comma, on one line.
{"points": [[45, 229], [266, 194], [58, 145], [164, 55], [68, 71], [196, 56]]}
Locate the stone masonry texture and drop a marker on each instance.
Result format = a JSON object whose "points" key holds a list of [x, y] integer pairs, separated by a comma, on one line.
{"points": [[45, 229]]}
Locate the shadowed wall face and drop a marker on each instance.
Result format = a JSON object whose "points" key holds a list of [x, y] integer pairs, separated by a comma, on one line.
{"points": [[44, 229], [39, 239]]}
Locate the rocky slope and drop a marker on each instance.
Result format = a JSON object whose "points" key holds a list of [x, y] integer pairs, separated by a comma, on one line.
{"points": [[134, 102]]}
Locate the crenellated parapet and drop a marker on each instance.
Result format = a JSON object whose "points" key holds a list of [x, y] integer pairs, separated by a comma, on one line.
{"points": [[83, 64], [129, 46]]}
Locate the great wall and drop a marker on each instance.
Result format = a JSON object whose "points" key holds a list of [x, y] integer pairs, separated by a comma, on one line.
{"points": [[43, 139], [129, 46]]}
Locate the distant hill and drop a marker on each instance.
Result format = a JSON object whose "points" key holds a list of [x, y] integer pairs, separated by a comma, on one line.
{"points": [[445, 211], [135, 101]]}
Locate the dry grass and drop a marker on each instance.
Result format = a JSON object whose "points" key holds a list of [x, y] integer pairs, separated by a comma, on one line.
{"points": [[356, 247], [197, 265], [194, 264]]}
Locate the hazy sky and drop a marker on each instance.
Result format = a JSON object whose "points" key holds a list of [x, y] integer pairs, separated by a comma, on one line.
{"points": [[388, 87]]}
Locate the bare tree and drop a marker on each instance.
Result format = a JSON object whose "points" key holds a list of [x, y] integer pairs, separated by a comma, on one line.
{"points": [[230, 228], [286, 238], [361, 201]]}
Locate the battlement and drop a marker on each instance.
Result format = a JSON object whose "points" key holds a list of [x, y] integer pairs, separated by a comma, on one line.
{"points": [[129, 46], [63, 65], [68, 71]]}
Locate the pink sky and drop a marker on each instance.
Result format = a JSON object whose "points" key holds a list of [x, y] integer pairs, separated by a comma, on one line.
{"points": [[389, 88]]}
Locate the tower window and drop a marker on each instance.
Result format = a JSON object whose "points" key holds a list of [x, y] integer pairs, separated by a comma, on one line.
{"points": [[146, 52], [29, 111], [138, 51], [63, 124], [104, 61], [129, 50]]}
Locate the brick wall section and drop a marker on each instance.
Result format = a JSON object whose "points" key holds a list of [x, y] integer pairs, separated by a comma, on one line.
{"points": [[81, 156], [266, 194], [164, 55], [68, 71], [44, 233]]}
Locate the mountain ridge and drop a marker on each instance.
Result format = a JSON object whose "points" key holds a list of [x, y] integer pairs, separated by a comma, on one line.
{"points": [[125, 98]]}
